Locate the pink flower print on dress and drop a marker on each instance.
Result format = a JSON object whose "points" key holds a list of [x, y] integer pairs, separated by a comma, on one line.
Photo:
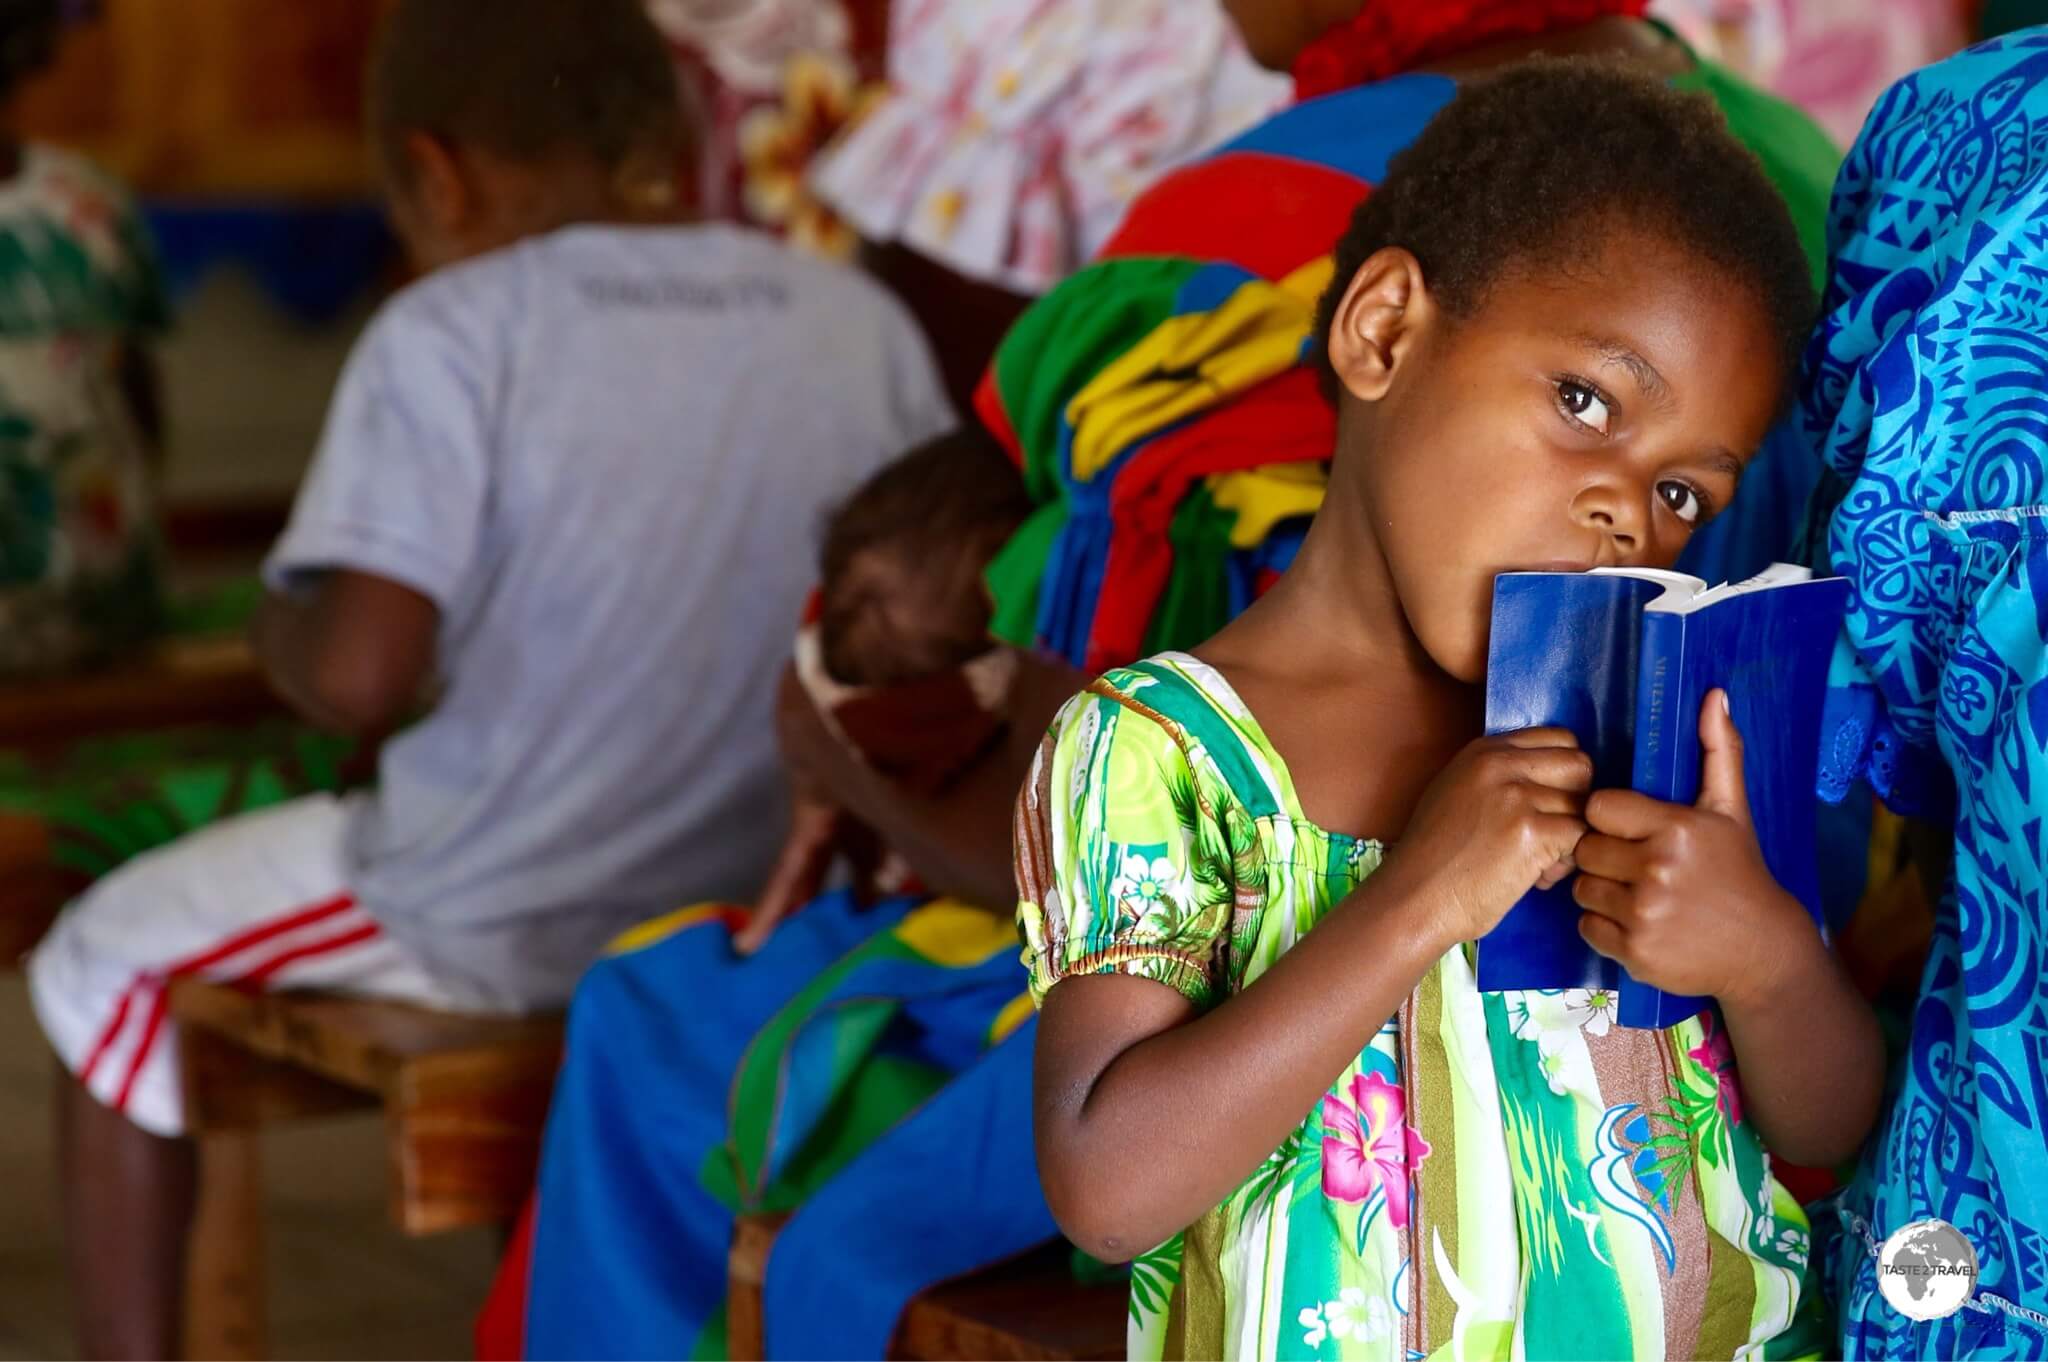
{"points": [[1368, 1145], [1717, 1057]]}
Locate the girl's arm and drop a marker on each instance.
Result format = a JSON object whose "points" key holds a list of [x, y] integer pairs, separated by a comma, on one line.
{"points": [[1811, 1056], [1148, 1116], [1682, 898]]}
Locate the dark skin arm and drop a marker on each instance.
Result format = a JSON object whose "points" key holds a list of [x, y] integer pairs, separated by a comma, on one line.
{"points": [[352, 653], [957, 842], [1682, 898], [1124, 1064], [964, 319]]}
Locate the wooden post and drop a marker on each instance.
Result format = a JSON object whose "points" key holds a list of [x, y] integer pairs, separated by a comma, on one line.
{"points": [[224, 1278]]}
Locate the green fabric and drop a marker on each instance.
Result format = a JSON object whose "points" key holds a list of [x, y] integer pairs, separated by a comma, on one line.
{"points": [[1494, 1176], [1014, 573], [1800, 159], [107, 800], [1196, 602], [761, 1076]]}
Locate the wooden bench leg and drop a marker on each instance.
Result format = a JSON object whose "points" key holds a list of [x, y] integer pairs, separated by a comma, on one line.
{"points": [[224, 1279]]}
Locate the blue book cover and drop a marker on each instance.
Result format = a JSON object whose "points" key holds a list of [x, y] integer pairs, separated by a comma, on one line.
{"points": [[1624, 659]]}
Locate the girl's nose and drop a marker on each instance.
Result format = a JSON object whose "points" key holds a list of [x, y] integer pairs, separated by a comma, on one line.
{"points": [[1608, 514]]}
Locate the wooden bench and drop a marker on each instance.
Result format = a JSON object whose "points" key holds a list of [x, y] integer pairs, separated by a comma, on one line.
{"points": [[178, 681], [464, 1099], [1027, 1310]]}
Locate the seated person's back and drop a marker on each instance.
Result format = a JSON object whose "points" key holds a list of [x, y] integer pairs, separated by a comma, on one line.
{"points": [[599, 453], [560, 508]]}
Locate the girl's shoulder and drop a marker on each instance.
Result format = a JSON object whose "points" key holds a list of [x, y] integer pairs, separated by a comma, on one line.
{"points": [[1179, 714]]}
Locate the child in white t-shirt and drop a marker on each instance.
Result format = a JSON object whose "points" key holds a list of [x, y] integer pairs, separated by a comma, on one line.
{"points": [[560, 486]]}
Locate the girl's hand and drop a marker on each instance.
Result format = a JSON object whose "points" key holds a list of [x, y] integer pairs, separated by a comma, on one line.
{"points": [[1681, 897], [1503, 817]]}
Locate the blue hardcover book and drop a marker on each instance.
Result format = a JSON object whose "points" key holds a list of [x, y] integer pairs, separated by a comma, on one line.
{"points": [[1624, 658]]}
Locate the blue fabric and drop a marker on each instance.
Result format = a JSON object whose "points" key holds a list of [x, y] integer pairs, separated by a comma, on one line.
{"points": [[1927, 394], [313, 260], [945, 1193], [629, 1247], [1356, 132], [1764, 520]]}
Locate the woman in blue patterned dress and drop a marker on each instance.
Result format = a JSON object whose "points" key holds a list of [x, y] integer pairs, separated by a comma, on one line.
{"points": [[1927, 390]]}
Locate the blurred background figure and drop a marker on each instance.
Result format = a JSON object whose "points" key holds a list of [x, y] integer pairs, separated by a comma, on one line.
{"points": [[1832, 58], [79, 306]]}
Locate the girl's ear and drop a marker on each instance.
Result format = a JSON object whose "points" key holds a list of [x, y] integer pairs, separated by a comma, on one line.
{"points": [[1385, 310]]}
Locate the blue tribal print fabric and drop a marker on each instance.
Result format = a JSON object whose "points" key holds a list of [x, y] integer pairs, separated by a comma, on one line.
{"points": [[1927, 392]]}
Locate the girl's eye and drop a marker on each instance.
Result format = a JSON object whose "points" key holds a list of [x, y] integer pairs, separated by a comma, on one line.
{"points": [[1685, 503], [1583, 404]]}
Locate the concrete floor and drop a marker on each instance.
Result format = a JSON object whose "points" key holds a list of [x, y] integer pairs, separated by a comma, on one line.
{"points": [[343, 1283]]}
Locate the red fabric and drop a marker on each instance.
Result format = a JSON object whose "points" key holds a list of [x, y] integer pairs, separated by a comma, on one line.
{"points": [[501, 1324], [1283, 420], [988, 405], [1392, 36], [1267, 214]]}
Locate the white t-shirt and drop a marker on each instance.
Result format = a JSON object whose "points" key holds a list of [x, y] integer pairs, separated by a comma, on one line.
{"points": [[606, 455]]}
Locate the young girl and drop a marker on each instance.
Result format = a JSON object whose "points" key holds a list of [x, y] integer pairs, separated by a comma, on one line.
{"points": [[1558, 330]]}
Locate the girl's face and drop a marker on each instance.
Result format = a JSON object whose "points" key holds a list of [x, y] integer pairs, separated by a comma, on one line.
{"points": [[1596, 414]]}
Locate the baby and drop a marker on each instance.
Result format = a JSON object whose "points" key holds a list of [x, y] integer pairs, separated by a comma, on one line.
{"points": [[895, 650]]}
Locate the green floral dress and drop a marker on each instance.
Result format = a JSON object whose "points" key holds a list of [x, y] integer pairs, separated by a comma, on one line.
{"points": [[1497, 1175], [79, 553]]}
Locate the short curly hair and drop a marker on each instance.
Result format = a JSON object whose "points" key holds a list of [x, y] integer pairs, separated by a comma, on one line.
{"points": [[1520, 166], [526, 79]]}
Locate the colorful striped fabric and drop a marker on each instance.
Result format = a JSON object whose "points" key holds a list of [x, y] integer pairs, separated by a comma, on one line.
{"points": [[786, 1088], [1150, 397]]}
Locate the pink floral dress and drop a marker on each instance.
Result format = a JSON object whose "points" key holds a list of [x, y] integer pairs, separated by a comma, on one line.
{"points": [[1017, 132], [1496, 1175]]}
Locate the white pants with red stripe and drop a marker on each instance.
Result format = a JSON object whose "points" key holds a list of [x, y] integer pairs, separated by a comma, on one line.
{"points": [[261, 901]]}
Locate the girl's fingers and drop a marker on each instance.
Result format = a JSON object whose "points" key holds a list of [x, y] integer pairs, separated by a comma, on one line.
{"points": [[1722, 789], [1603, 935], [1601, 896], [1626, 814], [1541, 737], [1551, 799], [1611, 858], [1559, 833], [1560, 768]]}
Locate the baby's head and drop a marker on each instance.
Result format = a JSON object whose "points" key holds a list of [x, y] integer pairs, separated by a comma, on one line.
{"points": [[1558, 331], [902, 595], [495, 120]]}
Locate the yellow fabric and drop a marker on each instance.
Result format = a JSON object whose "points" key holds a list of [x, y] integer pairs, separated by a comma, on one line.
{"points": [[1255, 334], [1019, 1010], [654, 931], [1263, 497], [949, 932]]}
